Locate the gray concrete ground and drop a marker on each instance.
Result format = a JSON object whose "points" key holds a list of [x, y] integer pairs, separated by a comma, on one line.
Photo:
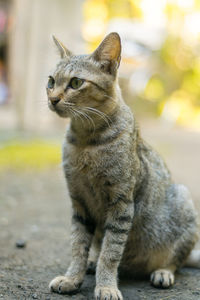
{"points": [[34, 206]]}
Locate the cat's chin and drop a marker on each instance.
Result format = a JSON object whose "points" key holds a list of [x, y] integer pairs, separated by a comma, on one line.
{"points": [[61, 113]]}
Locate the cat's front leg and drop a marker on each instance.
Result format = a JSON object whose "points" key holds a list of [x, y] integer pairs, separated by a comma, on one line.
{"points": [[81, 236], [117, 227], [94, 252]]}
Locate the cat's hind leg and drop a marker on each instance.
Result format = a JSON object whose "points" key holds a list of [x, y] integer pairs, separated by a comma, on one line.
{"points": [[185, 228], [164, 278], [193, 259]]}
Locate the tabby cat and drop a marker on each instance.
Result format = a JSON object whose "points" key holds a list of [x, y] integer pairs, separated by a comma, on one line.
{"points": [[128, 215]]}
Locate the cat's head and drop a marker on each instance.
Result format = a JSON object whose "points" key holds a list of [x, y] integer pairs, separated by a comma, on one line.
{"points": [[85, 83]]}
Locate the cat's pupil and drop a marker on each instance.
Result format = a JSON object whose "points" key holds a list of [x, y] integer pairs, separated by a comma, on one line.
{"points": [[51, 82], [76, 82]]}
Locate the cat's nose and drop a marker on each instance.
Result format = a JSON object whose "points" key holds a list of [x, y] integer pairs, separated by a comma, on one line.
{"points": [[54, 100]]}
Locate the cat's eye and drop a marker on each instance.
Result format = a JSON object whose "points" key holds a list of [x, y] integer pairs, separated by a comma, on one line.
{"points": [[76, 83], [51, 82]]}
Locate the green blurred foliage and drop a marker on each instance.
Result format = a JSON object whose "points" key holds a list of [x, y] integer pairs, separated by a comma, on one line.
{"points": [[29, 155], [155, 89], [177, 68]]}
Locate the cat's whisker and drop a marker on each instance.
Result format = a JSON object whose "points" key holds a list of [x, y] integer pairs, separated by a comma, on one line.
{"points": [[72, 112], [76, 113], [69, 103], [106, 121], [79, 113], [91, 120], [88, 118], [100, 117], [100, 114]]}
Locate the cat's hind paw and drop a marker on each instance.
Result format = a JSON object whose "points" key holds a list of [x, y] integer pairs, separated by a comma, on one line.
{"points": [[107, 293], [162, 278], [64, 285]]}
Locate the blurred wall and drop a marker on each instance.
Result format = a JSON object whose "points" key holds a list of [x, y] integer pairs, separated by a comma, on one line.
{"points": [[32, 54]]}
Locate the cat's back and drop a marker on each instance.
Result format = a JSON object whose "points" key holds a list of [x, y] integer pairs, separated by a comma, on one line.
{"points": [[152, 162]]}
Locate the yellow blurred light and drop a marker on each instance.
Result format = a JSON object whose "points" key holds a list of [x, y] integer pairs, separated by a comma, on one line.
{"points": [[185, 3], [95, 9], [182, 58], [136, 8], [196, 120], [192, 24], [34, 154], [179, 109], [154, 90], [153, 14], [93, 29], [96, 15]]}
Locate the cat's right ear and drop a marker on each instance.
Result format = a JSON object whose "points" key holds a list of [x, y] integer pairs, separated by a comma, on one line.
{"points": [[109, 52], [64, 52]]}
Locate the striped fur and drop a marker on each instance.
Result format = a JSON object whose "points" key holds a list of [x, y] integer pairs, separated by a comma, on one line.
{"points": [[124, 201]]}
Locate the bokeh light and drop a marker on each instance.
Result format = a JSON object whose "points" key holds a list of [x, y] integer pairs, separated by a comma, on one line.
{"points": [[161, 42]]}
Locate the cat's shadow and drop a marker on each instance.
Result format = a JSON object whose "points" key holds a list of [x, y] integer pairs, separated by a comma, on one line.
{"points": [[132, 289], [141, 289]]}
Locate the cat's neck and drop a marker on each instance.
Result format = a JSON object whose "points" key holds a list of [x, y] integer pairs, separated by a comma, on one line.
{"points": [[86, 128]]}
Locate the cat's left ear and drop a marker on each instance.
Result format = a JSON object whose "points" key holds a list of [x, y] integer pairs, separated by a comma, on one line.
{"points": [[109, 51], [64, 52]]}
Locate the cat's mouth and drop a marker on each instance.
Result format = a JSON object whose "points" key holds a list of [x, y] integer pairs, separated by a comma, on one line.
{"points": [[62, 112]]}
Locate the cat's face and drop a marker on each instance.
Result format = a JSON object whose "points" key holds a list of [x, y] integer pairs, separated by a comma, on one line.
{"points": [[85, 83]]}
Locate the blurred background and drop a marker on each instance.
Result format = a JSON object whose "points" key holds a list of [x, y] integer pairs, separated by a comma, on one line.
{"points": [[160, 69], [159, 75], [160, 81]]}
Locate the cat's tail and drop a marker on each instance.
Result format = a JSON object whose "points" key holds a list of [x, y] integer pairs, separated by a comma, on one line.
{"points": [[193, 260]]}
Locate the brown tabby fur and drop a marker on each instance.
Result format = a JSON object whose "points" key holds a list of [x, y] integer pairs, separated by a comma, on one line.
{"points": [[127, 212]]}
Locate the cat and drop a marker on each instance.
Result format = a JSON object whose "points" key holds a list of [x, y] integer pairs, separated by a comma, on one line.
{"points": [[128, 215]]}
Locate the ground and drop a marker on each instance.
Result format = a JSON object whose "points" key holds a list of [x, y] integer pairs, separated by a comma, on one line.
{"points": [[35, 208]]}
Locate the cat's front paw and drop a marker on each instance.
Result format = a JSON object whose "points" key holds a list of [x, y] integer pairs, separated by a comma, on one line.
{"points": [[64, 285], [107, 293]]}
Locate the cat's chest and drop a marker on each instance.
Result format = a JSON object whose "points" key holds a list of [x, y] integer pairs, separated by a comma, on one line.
{"points": [[86, 176], [84, 162]]}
